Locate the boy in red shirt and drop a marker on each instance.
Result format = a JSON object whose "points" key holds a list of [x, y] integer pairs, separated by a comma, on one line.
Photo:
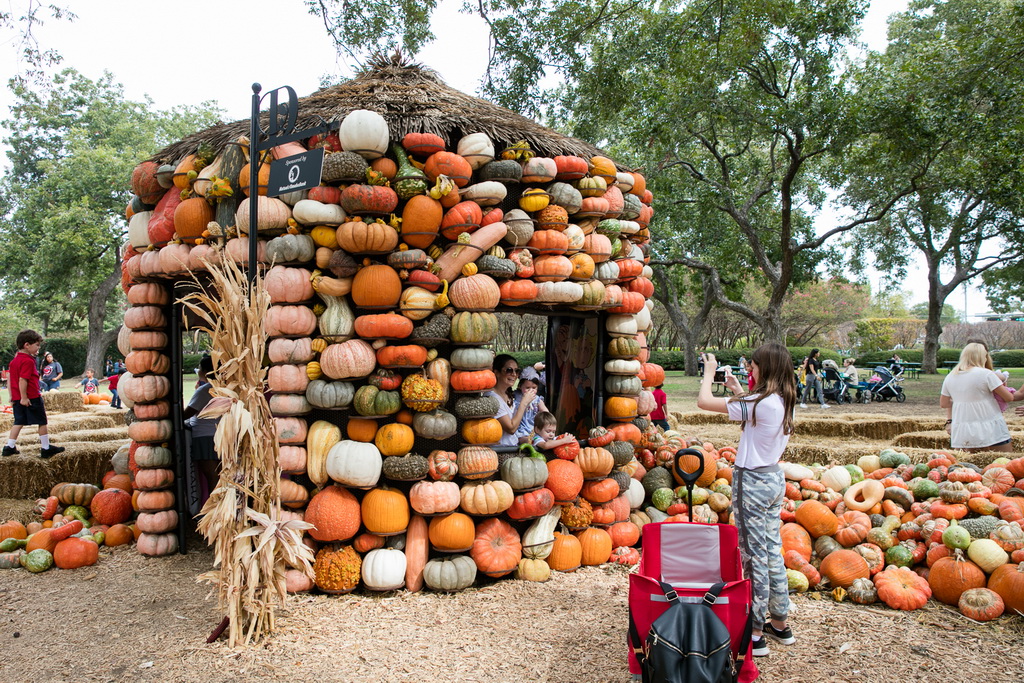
{"points": [[658, 416], [28, 404]]}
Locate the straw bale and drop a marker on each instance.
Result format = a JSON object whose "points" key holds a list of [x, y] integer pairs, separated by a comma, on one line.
{"points": [[70, 422], [412, 99], [700, 418], [939, 440], [6, 422], [16, 508], [29, 476], [62, 402]]}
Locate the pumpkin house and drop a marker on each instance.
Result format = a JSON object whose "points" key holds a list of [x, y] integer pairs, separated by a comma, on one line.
{"points": [[436, 211]]}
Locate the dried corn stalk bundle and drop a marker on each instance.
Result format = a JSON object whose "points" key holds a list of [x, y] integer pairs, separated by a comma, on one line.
{"points": [[253, 546]]}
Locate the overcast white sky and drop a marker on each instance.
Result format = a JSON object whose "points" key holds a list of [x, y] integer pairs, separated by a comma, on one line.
{"points": [[191, 51]]}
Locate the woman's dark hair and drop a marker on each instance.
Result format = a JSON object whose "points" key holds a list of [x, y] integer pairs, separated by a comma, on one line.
{"points": [[206, 364], [774, 376], [813, 353], [498, 367]]}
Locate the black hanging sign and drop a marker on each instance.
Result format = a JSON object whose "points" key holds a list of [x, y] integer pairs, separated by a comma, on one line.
{"points": [[297, 172]]}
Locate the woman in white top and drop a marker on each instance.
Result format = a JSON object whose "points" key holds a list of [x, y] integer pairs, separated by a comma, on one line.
{"points": [[506, 371], [759, 486], [973, 418]]}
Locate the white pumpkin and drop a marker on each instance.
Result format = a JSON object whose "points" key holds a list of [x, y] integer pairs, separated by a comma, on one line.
{"points": [[312, 212], [647, 272], [559, 292], [576, 238], [123, 345], [272, 213], [477, 149], [353, 463], [126, 378], [607, 272], [364, 132], [138, 229], [635, 493], [384, 569], [795, 472], [837, 478], [292, 198], [624, 181], [291, 249], [869, 463], [621, 324], [621, 366], [631, 228], [487, 193], [987, 554], [453, 573], [643, 319]]}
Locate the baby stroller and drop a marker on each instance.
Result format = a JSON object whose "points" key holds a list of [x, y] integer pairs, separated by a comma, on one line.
{"points": [[691, 557], [833, 386], [884, 385]]}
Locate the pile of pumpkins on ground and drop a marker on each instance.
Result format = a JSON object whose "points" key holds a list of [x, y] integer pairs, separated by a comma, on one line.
{"points": [[384, 283], [887, 530], [75, 521]]}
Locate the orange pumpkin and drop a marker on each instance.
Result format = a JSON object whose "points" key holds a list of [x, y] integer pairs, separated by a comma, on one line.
{"points": [[841, 567], [596, 545], [817, 519], [482, 431], [385, 511], [496, 548], [409, 355], [566, 553], [334, 513], [421, 219], [452, 533], [473, 380], [565, 479], [376, 286]]}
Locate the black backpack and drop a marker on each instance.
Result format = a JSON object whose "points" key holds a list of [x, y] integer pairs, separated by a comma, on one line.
{"points": [[688, 643]]}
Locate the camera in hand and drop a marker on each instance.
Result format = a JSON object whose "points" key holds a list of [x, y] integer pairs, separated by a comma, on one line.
{"points": [[720, 375]]}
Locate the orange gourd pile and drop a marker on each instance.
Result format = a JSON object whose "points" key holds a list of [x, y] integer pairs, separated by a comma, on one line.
{"points": [[902, 547]]}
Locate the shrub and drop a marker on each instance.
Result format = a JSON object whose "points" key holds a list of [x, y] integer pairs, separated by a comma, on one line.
{"points": [[69, 351], [1009, 359]]}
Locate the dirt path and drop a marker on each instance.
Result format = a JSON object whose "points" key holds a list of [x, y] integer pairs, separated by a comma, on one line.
{"points": [[134, 619]]}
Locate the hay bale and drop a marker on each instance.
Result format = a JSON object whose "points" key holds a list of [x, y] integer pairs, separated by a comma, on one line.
{"points": [[938, 440], [62, 401], [6, 422], [701, 417], [70, 422], [29, 476], [21, 510]]}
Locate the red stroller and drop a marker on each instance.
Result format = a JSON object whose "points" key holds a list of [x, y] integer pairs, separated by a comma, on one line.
{"points": [[692, 557]]}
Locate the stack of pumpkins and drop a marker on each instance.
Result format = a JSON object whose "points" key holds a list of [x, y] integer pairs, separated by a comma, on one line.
{"points": [[384, 281], [144, 388]]}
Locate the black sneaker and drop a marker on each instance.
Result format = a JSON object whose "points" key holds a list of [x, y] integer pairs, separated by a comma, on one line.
{"points": [[760, 647], [784, 636], [10, 451], [51, 451]]}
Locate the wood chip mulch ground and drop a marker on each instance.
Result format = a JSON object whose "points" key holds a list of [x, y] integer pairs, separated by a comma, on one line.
{"points": [[130, 618]]}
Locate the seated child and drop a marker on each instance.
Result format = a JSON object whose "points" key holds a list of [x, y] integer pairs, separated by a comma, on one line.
{"points": [[89, 384], [1005, 376], [544, 429]]}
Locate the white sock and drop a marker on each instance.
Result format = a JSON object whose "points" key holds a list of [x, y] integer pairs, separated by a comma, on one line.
{"points": [[11, 443], [44, 439]]}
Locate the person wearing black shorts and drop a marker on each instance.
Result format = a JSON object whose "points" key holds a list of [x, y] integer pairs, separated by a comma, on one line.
{"points": [[27, 402]]}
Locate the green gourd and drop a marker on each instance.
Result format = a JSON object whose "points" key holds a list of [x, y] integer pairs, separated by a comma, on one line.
{"points": [[39, 560], [409, 181], [370, 400], [9, 545], [232, 159], [78, 512]]}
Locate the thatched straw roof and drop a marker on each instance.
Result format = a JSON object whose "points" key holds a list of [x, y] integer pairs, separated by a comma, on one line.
{"points": [[413, 99]]}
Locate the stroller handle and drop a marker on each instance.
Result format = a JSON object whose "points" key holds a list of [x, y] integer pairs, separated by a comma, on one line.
{"points": [[689, 478]]}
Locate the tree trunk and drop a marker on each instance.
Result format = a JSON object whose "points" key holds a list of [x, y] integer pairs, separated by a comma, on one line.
{"points": [[689, 327], [100, 339], [771, 326], [937, 293]]}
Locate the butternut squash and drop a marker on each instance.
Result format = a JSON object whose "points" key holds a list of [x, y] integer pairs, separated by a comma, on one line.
{"points": [[450, 264]]}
